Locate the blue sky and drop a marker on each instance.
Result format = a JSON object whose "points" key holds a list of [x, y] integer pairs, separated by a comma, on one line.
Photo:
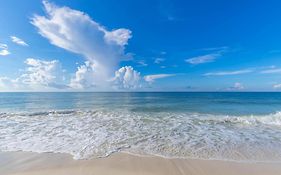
{"points": [[155, 45]]}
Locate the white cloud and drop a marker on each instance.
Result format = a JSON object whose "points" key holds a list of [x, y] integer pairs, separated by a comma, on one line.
{"points": [[152, 78], [277, 86], [211, 57], [4, 49], [38, 75], [159, 60], [203, 59], [236, 86], [127, 78], [18, 41], [4, 52], [271, 71], [76, 32], [119, 36], [42, 73], [84, 77], [3, 46], [237, 72], [142, 63]]}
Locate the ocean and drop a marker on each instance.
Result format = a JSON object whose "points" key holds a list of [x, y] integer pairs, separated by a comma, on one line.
{"points": [[201, 125]]}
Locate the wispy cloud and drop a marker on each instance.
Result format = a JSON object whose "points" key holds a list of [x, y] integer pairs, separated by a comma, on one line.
{"points": [[152, 78], [222, 73], [207, 58], [18, 41], [4, 49], [271, 71], [203, 59]]}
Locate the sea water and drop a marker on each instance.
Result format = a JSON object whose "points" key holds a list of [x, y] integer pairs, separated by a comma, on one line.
{"points": [[221, 126]]}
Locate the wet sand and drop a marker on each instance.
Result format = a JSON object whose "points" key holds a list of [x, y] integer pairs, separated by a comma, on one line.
{"points": [[26, 163]]}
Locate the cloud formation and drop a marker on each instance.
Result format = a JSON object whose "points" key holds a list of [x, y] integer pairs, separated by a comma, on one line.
{"points": [[18, 41], [49, 75], [84, 77], [76, 32], [237, 72], [152, 78], [4, 49], [38, 74], [127, 78], [42, 73]]}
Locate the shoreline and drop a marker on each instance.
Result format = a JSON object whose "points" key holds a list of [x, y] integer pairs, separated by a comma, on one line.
{"points": [[29, 163], [195, 159]]}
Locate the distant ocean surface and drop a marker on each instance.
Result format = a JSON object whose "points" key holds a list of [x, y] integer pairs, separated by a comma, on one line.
{"points": [[222, 126]]}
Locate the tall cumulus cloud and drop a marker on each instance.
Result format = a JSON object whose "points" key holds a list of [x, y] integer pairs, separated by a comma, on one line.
{"points": [[76, 32]]}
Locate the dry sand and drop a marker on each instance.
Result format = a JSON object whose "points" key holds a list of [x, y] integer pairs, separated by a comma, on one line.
{"points": [[25, 163]]}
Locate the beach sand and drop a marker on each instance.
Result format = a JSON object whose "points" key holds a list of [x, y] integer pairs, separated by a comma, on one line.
{"points": [[26, 163]]}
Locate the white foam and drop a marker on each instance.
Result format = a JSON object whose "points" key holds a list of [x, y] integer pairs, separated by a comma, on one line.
{"points": [[99, 133]]}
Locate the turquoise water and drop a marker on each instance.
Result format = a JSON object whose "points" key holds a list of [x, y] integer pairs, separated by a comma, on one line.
{"points": [[224, 126], [211, 103]]}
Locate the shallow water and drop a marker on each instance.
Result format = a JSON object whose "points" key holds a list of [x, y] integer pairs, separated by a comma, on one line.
{"points": [[224, 126]]}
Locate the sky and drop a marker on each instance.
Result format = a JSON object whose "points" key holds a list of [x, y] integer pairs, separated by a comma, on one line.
{"points": [[141, 45]]}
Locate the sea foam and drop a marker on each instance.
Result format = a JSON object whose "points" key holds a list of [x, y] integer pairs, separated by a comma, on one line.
{"points": [[99, 133]]}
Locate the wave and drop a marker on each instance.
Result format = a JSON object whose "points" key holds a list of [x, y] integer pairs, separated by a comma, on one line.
{"points": [[99, 133], [270, 119]]}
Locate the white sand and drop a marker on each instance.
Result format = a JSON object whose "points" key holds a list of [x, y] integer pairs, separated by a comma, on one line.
{"points": [[25, 163]]}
